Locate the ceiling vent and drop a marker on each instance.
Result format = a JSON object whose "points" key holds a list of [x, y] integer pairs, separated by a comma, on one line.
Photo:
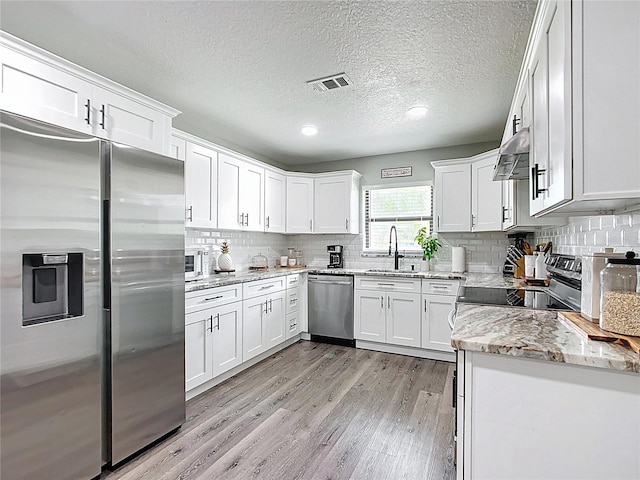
{"points": [[333, 82]]}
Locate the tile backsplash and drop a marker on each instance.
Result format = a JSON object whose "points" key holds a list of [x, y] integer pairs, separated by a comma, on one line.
{"points": [[485, 251], [591, 234]]}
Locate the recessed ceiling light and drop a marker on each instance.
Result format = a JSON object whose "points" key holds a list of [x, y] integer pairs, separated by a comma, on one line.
{"points": [[417, 111], [309, 130]]}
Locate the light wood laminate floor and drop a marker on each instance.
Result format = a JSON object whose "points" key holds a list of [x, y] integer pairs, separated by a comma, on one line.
{"points": [[314, 411]]}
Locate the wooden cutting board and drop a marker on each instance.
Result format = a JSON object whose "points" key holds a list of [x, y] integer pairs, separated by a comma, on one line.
{"points": [[592, 331]]}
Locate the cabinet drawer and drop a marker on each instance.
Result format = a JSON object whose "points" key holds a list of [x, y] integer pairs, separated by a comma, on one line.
{"points": [[293, 326], [293, 300], [293, 280], [394, 284], [212, 297], [440, 287], [262, 287]]}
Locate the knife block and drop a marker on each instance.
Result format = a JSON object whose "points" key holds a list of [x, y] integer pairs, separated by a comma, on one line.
{"points": [[519, 273]]}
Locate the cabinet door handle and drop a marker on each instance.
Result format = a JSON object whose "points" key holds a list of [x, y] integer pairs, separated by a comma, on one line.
{"points": [[381, 302], [246, 219], [217, 322], [346, 224], [211, 323], [190, 210], [388, 302], [266, 307], [536, 171], [425, 305], [266, 287], [213, 298], [102, 114], [267, 222], [504, 212], [386, 284], [473, 220], [311, 225], [270, 305], [438, 222], [88, 105]]}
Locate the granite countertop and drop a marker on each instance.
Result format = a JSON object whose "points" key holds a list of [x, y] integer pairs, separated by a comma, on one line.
{"points": [[536, 334], [470, 279]]}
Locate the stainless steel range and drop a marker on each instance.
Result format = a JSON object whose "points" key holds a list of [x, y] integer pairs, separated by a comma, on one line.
{"points": [[563, 292]]}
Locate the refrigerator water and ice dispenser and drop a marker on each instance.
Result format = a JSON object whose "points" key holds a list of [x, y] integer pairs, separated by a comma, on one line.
{"points": [[52, 287]]}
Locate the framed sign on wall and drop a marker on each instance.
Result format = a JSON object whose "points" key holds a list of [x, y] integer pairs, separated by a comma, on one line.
{"points": [[396, 172]]}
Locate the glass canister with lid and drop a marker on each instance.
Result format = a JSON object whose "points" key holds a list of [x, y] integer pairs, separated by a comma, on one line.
{"points": [[620, 295]]}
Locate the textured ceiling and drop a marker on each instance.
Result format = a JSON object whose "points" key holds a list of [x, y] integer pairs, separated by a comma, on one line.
{"points": [[237, 69]]}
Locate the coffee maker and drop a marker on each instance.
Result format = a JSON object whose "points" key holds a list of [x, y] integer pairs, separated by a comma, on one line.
{"points": [[335, 256]]}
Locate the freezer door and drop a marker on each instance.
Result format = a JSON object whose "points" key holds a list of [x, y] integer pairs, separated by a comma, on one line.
{"points": [[50, 352], [147, 211]]}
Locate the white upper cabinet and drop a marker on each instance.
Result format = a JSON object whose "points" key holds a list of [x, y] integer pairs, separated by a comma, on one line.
{"points": [[550, 80], [275, 201], [45, 87], [299, 204], [200, 178], [466, 197], [178, 148], [336, 203], [37, 90], [581, 71], [453, 198], [486, 196], [240, 194], [127, 121]]}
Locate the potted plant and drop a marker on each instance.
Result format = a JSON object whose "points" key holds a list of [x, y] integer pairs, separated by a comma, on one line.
{"points": [[429, 245]]}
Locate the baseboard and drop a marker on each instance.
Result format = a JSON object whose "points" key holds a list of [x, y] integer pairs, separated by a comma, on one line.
{"points": [[410, 351]]}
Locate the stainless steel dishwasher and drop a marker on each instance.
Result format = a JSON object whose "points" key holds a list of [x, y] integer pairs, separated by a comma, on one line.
{"points": [[331, 309]]}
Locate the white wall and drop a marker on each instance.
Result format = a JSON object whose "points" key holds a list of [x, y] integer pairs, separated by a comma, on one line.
{"points": [[419, 160]]}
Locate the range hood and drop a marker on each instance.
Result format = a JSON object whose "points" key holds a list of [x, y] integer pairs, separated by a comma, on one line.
{"points": [[513, 156]]}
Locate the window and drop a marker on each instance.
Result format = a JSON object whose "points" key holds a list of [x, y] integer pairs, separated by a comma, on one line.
{"points": [[409, 208]]}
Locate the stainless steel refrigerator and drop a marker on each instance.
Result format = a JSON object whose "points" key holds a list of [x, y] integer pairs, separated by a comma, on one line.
{"points": [[91, 301]]}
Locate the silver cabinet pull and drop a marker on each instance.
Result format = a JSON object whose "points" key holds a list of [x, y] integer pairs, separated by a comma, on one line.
{"points": [[311, 225], [504, 214], [211, 320], [246, 219], [388, 302], [270, 305], [190, 210], [386, 284], [266, 307], [102, 113], [381, 302], [88, 105], [241, 222], [267, 225], [213, 298], [425, 305], [217, 322], [266, 286], [346, 224], [438, 221]]}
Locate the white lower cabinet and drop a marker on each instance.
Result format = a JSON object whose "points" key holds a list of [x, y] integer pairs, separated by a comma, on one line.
{"points": [[264, 324], [436, 332], [438, 301], [546, 415], [213, 342], [384, 315]]}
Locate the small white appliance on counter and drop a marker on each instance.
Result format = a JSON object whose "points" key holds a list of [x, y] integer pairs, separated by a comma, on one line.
{"points": [[592, 265], [196, 264]]}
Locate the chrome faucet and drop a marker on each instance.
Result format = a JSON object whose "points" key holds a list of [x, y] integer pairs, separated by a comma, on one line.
{"points": [[395, 255]]}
